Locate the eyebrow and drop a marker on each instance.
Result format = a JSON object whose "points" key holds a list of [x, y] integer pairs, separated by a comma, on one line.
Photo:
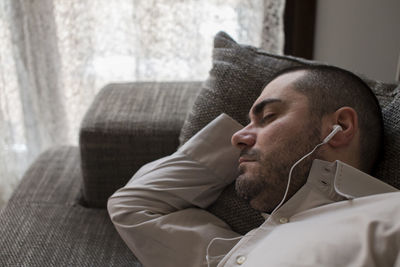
{"points": [[260, 106]]}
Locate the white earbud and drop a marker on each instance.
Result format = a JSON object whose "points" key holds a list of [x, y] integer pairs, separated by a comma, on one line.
{"points": [[336, 129]]}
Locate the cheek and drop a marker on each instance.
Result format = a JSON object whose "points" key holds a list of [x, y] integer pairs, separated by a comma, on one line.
{"points": [[277, 133]]}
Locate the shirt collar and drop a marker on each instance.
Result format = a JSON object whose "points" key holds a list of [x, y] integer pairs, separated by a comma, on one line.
{"points": [[329, 182], [346, 180]]}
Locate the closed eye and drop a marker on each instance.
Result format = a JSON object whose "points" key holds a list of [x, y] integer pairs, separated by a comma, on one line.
{"points": [[267, 118]]}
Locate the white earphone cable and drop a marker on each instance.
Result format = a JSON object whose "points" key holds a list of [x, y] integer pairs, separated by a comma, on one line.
{"points": [[290, 175], [336, 129], [208, 258]]}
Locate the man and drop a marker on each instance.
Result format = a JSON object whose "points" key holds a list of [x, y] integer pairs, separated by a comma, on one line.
{"points": [[293, 163]]}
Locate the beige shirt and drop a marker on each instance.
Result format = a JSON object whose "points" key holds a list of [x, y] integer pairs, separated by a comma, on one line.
{"points": [[340, 217]]}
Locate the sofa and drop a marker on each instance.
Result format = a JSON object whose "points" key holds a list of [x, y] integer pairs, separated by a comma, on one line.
{"points": [[57, 215]]}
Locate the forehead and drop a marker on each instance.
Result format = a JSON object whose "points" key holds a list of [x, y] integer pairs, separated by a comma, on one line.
{"points": [[282, 88]]}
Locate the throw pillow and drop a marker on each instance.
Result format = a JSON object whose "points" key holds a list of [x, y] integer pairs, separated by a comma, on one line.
{"points": [[388, 169], [238, 74]]}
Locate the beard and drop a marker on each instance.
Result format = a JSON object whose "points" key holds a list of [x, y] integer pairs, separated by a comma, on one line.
{"points": [[267, 178]]}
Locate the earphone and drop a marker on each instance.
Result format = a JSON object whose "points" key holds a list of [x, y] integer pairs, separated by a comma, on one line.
{"points": [[336, 128]]}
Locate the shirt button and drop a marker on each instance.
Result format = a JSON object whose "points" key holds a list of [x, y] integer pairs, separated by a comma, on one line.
{"points": [[240, 260], [283, 220]]}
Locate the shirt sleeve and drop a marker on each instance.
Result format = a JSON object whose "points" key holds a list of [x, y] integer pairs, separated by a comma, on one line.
{"points": [[160, 212]]}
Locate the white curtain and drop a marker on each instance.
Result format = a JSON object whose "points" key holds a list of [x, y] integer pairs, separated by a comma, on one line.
{"points": [[55, 55]]}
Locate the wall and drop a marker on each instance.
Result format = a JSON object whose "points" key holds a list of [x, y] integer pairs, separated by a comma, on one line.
{"points": [[360, 35]]}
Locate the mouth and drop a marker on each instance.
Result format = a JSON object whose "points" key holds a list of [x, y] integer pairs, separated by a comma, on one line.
{"points": [[245, 160], [249, 155]]}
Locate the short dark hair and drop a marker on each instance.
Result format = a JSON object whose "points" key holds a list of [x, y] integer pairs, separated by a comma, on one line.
{"points": [[329, 88]]}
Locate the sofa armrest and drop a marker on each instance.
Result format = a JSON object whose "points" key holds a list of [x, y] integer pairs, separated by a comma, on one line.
{"points": [[127, 126]]}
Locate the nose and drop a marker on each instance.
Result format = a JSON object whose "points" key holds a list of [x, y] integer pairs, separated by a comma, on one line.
{"points": [[243, 138]]}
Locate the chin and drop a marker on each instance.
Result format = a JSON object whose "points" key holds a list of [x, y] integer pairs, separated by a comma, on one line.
{"points": [[248, 169], [248, 186]]}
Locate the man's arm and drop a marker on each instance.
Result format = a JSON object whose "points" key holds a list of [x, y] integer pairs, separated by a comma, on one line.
{"points": [[159, 213]]}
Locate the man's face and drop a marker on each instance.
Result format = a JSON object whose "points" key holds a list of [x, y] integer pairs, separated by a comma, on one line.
{"points": [[280, 132]]}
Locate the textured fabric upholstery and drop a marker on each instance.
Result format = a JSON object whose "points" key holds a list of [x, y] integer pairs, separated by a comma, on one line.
{"points": [[57, 181], [388, 169], [236, 79], [127, 126], [43, 224]]}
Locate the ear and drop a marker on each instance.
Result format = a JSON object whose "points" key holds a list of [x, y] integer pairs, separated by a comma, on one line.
{"points": [[347, 118]]}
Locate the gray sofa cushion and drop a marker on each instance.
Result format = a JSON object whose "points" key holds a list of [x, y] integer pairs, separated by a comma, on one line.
{"points": [[43, 224], [238, 74], [127, 126], [388, 169]]}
